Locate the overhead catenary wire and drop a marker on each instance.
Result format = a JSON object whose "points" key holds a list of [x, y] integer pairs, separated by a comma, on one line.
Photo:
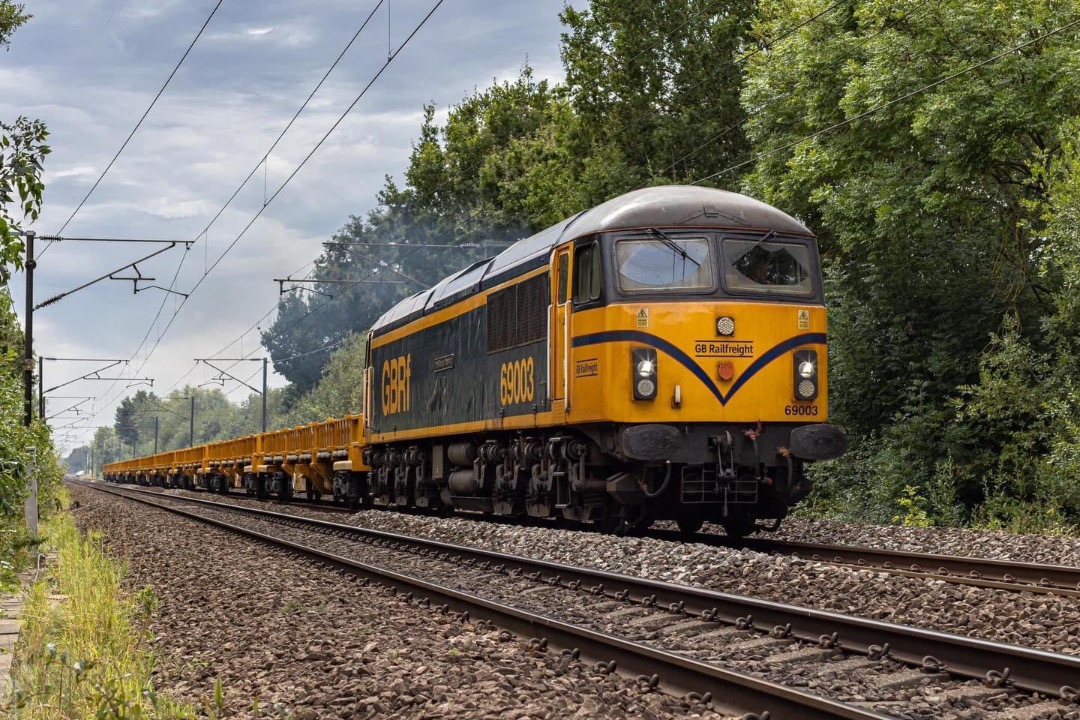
{"points": [[352, 286], [318, 145], [124, 145], [292, 121], [137, 124], [204, 234], [323, 139]]}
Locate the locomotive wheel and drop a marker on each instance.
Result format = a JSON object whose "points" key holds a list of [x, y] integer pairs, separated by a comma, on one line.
{"points": [[738, 526], [689, 525], [637, 523], [610, 522]]}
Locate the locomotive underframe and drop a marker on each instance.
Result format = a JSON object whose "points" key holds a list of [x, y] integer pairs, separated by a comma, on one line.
{"points": [[730, 474]]}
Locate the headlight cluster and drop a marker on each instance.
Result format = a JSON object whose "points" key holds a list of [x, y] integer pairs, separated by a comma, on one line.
{"points": [[643, 373], [806, 374], [725, 326]]}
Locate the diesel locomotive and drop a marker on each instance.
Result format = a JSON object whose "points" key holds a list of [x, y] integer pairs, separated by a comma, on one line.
{"points": [[659, 356]]}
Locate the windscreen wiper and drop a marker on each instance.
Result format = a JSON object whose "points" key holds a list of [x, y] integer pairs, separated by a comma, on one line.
{"points": [[764, 238], [666, 239]]}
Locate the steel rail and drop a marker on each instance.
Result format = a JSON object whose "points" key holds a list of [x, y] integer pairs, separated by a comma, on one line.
{"points": [[729, 690], [298, 500], [1045, 578], [986, 572], [1050, 673]]}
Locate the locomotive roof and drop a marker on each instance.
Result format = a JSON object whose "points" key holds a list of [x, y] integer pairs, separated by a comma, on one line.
{"points": [[666, 206]]}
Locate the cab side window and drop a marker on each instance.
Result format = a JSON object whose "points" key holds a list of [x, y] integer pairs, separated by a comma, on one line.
{"points": [[564, 277], [586, 273]]}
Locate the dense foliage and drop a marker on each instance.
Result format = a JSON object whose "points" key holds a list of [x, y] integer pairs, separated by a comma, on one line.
{"points": [[935, 217], [16, 455], [22, 152], [932, 147]]}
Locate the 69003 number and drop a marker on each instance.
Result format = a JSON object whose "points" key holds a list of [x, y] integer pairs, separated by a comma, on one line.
{"points": [[803, 410]]}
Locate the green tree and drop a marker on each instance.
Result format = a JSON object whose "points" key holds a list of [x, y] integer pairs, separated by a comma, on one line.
{"points": [[127, 418], [105, 448], [78, 460], [16, 440], [340, 390], [931, 200], [22, 151], [656, 86], [930, 210]]}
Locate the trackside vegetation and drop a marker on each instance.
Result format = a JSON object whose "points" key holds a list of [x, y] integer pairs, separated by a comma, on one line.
{"points": [[83, 650]]}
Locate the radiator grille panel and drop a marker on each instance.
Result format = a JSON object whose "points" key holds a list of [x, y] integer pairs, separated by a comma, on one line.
{"points": [[518, 314]]}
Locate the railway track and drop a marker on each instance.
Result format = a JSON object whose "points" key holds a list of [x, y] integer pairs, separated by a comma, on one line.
{"points": [[989, 573], [687, 619], [979, 572], [320, 504]]}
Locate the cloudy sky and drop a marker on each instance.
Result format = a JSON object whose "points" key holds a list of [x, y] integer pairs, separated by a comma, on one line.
{"points": [[89, 69]]}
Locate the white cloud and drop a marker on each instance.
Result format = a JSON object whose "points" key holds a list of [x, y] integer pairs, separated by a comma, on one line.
{"points": [[76, 171], [294, 36], [148, 9]]}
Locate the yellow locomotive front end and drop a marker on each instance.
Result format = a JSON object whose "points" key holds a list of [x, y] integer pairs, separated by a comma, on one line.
{"points": [[696, 361]]}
